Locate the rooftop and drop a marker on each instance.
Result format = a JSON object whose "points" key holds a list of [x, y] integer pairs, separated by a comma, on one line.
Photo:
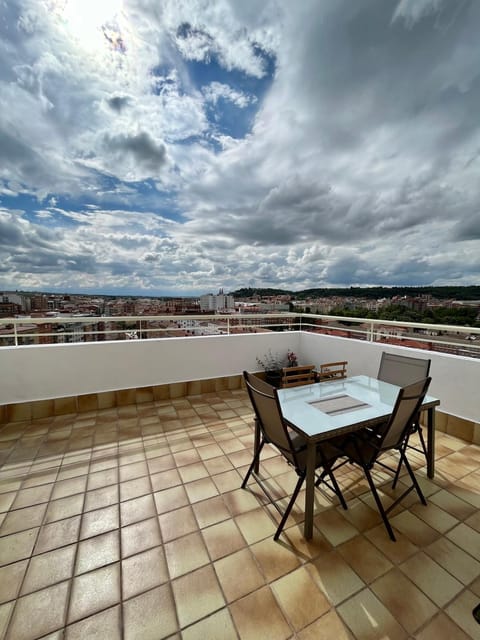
{"points": [[130, 522]]}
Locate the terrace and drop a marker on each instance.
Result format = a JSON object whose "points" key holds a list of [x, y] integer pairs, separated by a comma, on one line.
{"points": [[121, 513]]}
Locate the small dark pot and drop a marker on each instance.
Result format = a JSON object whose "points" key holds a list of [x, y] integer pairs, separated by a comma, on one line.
{"points": [[274, 378]]}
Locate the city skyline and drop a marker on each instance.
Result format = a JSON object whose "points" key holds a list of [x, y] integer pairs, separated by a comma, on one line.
{"points": [[177, 148]]}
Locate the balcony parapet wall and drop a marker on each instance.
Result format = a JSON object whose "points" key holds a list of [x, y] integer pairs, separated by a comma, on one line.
{"points": [[71, 377]]}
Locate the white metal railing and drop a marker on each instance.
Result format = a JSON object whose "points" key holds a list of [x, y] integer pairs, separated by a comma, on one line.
{"points": [[457, 340]]}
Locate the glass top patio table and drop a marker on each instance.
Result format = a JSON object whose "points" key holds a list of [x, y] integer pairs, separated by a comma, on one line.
{"points": [[326, 409]]}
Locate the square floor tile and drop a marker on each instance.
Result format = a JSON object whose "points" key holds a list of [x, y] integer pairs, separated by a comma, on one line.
{"points": [[11, 577], [460, 611], [49, 568], [143, 571], [98, 551], [102, 497], [197, 595], [259, 616], [369, 619], [334, 577], [300, 598], [150, 616], [21, 519], [170, 499], [140, 536], [200, 490], [135, 488], [94, 591], [335, 527], [177, 523], [106, 624], [58, 534], [256, 525], [274, 559], [456, 561], [441, 627], [46, 608], [330, 625], [409, 606], [185, 554], [364, 558], [64, 508], [218, 625], [99, 521], [17, 546], [137, 509], [30, 497], [222, 539], [431, 578], [238, 574], [210, 511], [466, 538]]}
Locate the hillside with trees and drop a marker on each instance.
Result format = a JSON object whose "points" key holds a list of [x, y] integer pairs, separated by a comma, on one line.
{"points": [[373, 293], [461, 316]]}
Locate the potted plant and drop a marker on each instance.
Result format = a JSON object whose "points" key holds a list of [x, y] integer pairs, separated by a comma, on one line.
{"points": [[292, 359], [273, 365]]}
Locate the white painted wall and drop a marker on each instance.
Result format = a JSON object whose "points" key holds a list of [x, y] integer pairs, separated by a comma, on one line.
{"points": [[54, 371]]}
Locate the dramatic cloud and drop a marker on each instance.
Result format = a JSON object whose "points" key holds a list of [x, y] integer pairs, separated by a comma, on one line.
{"points": [[188, 145]]}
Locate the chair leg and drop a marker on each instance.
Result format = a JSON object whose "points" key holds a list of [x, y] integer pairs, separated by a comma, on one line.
{"points": [[336, 487], [397, 472], [413, 479], [289, 507], [328, 471], [380, 507], [254, 464]]}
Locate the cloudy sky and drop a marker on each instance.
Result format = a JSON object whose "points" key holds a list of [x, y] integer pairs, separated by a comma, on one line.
{"points": [[168, 147]]}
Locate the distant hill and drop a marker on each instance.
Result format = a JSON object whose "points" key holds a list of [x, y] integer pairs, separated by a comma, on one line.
{"points": [[441, 293]]}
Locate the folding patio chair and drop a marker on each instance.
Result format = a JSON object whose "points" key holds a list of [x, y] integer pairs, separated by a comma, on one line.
{"points": [[366, 446], [403, 370], [291, 445]]}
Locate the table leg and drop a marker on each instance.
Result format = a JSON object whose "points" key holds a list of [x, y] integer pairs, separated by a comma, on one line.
{"points": [[309, 490], [431, 442]]}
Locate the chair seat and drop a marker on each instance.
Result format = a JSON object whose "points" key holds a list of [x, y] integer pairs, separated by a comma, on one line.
{"points": [[326, 451]]}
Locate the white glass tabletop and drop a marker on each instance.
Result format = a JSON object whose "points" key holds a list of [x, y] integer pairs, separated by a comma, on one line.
{"points": [[321, 409]]}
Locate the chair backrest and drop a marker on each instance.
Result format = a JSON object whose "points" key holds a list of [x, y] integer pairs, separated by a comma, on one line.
{"points": [[269, 415], [402, 370], [406, 408], [332, 371], [296, 376]]}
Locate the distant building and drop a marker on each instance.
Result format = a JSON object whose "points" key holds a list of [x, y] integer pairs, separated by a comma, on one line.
{"points": [[19, 303], [219, 302]]}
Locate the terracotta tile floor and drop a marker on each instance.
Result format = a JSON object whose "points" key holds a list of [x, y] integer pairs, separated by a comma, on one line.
{"points": [[131, 523]]}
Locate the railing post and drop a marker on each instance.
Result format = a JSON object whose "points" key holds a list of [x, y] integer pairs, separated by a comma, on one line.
{"points": [[15, 333]]}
